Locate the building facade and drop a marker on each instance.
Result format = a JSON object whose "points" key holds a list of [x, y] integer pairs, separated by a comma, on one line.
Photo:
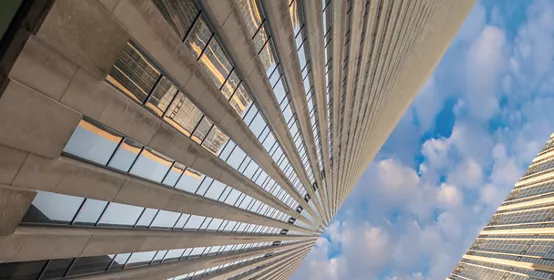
{"points": [[182, 139], [518, 241]]}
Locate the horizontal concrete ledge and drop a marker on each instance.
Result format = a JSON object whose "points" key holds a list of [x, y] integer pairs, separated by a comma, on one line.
{"points": [[230, 271], [518, 264], [14, 203], [72, 177], [276, 264], [41, 243], [172, 269]]}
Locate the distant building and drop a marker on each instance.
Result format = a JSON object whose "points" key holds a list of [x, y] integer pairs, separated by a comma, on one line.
{"points": [[518, 241]]}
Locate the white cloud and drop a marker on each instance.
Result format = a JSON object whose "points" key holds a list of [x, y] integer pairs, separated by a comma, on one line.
{"points": [[484, 62]]}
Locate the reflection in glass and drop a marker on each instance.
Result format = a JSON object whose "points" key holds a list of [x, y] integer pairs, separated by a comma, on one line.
{"points": [[215, 140], [50, 207], [216, 63], [250, 14], [151, 165], [240, 101], [199, 36], [230, 85], [202, 130], [119, 261], [180, 14], [55, 269], [125, 155], [87, 265], [161, 96], [183, 115], [93, 143], [133, 74]]}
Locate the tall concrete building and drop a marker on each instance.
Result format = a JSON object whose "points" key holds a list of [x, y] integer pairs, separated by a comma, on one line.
{"points": [[181, 139], [518, 241]]}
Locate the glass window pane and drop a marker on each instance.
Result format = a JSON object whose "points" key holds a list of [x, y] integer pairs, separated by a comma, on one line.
{"points": [[190, 180], [174, 174], [119, 261], [214, 225], [159, 256], [165, 219], [251, 15], [260, 38], [279, 91], [197, 251], [236, 157], [257, 125], [56, 269], [125, 155], [241, 100], [227, 150], [21, 270], [183, 115], [267, 58], [194, 222], [87, 265], [230, 85], [146, 217], [216, 63], [121, 214], [50, 207], [151, 165], [93, 143], [204, 186], [215, 140], [140, 258], [182, 220], [173, 254], [161, 96], [201, 130], [133, 74], [180, 14], [233, 196], [215, 190], [198, 37], [91, 211]]}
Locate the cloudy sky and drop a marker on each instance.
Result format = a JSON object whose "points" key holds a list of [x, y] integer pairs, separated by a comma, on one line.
{"points": [[470, 134]]}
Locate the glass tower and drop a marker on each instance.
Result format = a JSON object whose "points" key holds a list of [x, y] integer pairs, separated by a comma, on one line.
{"points": [[518, 241], [209, 139]]}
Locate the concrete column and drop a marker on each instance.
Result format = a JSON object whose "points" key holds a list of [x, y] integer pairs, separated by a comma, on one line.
{"points": [[314, 24], [72, 177], [230, 27], [338, 10], [278, 17], [42, 243], [171, 269]]}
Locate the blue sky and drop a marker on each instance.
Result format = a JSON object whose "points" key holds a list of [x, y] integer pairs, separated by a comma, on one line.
{"points": [[480, 119]]}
